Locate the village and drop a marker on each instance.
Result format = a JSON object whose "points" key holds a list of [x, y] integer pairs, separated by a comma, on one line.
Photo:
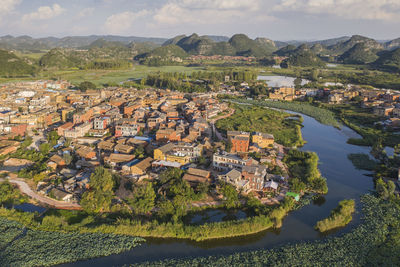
{"points": [[137, 134]]}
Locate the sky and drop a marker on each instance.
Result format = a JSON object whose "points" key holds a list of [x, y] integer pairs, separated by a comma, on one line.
{"points": [[274, 19]]}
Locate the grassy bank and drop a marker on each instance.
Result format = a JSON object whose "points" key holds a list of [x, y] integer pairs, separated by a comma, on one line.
{"points": [[78, 222], [339, 217]]}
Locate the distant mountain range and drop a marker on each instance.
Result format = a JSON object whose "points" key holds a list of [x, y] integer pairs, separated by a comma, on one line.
{"points": [[110, 51]]}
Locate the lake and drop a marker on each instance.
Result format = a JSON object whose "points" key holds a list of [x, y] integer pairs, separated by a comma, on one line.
{"points": [[344, 182], [280, 81]]}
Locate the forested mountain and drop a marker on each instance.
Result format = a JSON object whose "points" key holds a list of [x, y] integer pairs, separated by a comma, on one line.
{"points": [[13, 66], [162, 55], [304, 57], [342, 47], [285, 51], [388, 60], [238, 44], [27, 43], [99, 54], [360, 53], [393, 44]]}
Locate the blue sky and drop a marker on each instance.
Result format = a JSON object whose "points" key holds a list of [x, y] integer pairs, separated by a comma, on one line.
{"points": [[275, 19]]}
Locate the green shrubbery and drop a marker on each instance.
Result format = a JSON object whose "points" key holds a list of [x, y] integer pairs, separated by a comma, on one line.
{"points": [[339, 217], [304, 166]]}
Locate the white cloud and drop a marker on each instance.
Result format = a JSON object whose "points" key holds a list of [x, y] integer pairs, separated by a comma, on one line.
{"points": [[44, 12], [122, 23], [207, 11], [385, 10], [86, 12], [7, 6]]}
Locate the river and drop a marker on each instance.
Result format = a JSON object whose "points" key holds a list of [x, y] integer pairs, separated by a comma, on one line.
{"points": [[344, 181]]}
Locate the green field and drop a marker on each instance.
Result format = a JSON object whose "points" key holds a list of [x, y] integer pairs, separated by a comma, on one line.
{"points": [[100, 77], [285, 128]]}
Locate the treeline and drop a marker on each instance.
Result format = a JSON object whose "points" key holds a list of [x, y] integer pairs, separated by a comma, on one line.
{"points": [[339, 217], [171, 81], [107, 65], [241, 76]]}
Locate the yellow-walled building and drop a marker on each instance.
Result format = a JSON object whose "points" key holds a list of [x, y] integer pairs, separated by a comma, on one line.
{"points": [[263, 140]]}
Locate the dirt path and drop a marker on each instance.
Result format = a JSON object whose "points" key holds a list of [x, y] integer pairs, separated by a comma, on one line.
{"points": [[24, 187]]}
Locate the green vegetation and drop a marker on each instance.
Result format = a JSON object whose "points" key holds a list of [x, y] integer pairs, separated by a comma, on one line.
{"points": [[389, 61], [120, 224], [26, 247], [375, 242], [184, 83], [285, 130], [339, 217], [239, 45], [363, 122], [10, 195], [84, 86], [359, 54], [302, 57], [162, 56], [13, 66], [323, 116], [98, 198], [385, 190], [304, 166], [231, 197], [143, 199]]}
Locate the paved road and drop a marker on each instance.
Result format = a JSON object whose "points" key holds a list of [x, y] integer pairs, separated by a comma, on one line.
{"points": [[213, 121], [24, 187]]}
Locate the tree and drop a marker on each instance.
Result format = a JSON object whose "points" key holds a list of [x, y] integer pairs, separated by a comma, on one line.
{"points": [[231, 197], [53, 137], [254, 204], [44, 148], [314, 74], [98, 198], [382, 189], [296, 185], [143, 199], [297, 82], [84, 86]]}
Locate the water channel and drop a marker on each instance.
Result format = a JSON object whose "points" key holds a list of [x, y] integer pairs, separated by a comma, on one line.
{"points": [[344, 182]]}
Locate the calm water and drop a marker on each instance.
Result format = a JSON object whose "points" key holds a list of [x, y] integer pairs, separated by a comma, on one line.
{"points": [[344, 181], [280, 81]]}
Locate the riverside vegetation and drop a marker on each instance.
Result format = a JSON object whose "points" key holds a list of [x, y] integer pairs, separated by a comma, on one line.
{"points": [[322, 115], [339, 217], [286, 129], [100, 216], [375, 242]]}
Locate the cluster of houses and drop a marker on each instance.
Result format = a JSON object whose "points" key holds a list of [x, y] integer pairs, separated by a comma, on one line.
{"points": [[243, 171], [135, 133]]}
